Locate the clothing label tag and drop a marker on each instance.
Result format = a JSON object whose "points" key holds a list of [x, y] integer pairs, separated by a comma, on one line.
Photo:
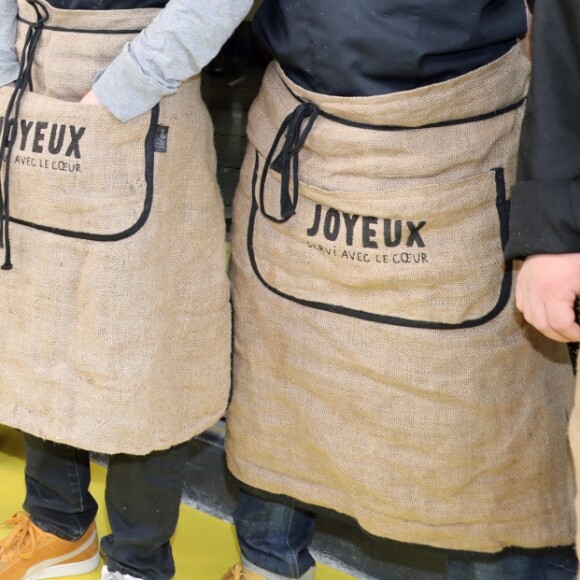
{"points": [[160, 145]]}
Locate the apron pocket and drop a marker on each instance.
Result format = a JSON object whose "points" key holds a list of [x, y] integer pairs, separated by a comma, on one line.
{"points": [[75, 170], [424, 257]]}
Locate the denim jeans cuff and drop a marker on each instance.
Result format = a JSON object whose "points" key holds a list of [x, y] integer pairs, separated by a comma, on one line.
{"points": [[308, 575], [51, 529], [106, 571]]}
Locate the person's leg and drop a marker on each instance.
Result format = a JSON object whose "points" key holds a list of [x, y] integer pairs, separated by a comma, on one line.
{"points": [[143, 494], [274, 537], [57, 488], [56, 535], [517, 564]]}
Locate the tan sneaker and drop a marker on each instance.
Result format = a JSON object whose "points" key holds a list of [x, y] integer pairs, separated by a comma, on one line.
{"points": [[238, 572], [29, 553]]}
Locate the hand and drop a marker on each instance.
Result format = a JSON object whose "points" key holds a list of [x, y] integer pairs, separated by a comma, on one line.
{"points": [[546, 291], [526, 40], [526, 44], [91, 99]]}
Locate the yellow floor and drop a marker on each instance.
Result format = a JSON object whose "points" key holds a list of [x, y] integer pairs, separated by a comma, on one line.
{"points": [[204, 546]]}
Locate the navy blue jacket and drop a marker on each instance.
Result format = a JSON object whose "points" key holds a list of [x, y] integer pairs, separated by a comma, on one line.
{"points": [[369, 47]]}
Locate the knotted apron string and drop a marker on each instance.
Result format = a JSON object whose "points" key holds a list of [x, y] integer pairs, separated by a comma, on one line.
{"points": [[11, 117], [287, 160]]}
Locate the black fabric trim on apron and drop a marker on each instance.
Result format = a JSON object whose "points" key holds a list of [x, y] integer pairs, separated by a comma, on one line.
{"points": [[359, 125], [286, 163], [474, 119]]}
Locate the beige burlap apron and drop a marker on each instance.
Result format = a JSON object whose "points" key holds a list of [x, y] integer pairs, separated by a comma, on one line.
{"points": [[380, 367], [575, 445], [115, 332]]}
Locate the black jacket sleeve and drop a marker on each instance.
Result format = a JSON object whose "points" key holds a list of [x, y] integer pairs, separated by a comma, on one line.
{"points": [[545, 208]]}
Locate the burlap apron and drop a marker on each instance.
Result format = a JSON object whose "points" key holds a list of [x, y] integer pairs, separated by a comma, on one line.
{"points": [[115, 332], [575, 445], [380, 367]]}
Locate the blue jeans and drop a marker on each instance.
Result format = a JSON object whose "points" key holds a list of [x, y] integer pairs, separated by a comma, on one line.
{"points": [[519, 564], [276, 536], [143, 493]]}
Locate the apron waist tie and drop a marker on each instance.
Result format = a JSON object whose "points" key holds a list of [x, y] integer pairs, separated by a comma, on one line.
{"points": [[11, 117], [288, 159]]}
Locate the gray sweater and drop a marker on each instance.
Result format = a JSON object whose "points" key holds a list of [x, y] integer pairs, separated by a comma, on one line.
{"points": [[179, 42]]}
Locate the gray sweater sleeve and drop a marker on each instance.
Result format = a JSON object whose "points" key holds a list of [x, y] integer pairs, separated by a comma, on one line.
{"points": [[179, 42], [8, 61]]}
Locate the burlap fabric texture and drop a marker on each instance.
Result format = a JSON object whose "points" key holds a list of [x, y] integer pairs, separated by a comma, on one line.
{"points": [[115, 317], [381, 368], [575, 445]]}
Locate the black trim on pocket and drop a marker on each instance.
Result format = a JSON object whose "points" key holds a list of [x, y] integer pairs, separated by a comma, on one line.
{"points": [[504, 294], [149, 150]]}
